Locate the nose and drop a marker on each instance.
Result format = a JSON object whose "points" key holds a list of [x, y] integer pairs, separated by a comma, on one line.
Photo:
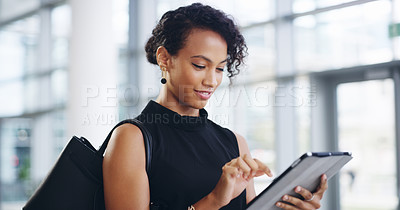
{"points": [[210, 79]]}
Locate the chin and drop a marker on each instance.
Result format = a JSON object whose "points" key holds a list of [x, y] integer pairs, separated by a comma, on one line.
{"points": [[198, 104]]}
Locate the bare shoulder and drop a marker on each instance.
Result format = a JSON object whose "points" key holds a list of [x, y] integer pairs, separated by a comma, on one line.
{"points": [[243, 147], [126, 142], [127, 130], [124, 170]]}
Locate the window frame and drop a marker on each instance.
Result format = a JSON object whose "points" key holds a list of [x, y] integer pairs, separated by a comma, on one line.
{"points": [[325, 117]]}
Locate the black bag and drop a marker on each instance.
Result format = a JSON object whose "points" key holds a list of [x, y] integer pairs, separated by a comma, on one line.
{"points": [[76, 180]]}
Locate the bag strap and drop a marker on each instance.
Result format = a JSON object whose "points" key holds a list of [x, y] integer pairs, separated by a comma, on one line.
{"points": [[146, 137]]}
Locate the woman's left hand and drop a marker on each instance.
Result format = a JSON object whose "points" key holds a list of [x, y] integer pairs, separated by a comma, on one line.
{"points": [[311, 200]]}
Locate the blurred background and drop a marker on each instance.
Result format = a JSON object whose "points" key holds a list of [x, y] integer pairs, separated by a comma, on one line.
{"points": [[321, 75]]}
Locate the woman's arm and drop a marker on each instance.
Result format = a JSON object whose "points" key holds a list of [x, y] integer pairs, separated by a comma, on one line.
{"points": [[125, 179], [244, 149], [237, 175]]}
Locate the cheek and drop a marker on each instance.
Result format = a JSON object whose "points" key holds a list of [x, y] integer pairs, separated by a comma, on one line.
{"points": [[220, 76], [191, 77], [183, 80]]}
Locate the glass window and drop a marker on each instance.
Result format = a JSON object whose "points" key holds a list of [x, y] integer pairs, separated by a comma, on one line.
{"points": [[37, 94], [59, 136], [396, 19], [121, 31], [356, 35], [366, 126], [60, 29], [15, 137], [254, 119], [12, 94], [304, 94], [10, 56], [58, 79], [12, 8], [19, 49], [260, 63], [121, 22], [309, 5], [59, 87], [244, 12]]}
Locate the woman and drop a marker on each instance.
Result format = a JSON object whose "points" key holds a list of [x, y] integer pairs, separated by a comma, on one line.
{"points": [[196, 164]]}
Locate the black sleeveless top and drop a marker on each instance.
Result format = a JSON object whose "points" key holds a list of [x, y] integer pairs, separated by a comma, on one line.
{"points": [[188, 156]]}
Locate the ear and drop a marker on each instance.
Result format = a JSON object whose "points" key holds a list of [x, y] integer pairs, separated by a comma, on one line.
{"points": [[163, 57]]}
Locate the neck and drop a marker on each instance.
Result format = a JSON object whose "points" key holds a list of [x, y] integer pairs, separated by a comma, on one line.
{"points": [[173, 103]]}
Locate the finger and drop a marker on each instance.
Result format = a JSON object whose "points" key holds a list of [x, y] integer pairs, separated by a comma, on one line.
{"points": [[297, 202], [263, 167], [251, 163], [230, 170], [234, 163], [286, 206], [307, 195], [323, 186], [243, 166]]}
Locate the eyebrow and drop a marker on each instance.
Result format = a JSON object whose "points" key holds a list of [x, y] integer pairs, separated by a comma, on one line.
{"points": [[207, 59]]}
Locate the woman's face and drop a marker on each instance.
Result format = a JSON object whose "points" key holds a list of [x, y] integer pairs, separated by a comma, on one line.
{"points": [[197, 70]]}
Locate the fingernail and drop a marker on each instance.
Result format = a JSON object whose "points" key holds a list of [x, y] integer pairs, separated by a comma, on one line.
{"points": [[285, 198], [324, 177], [278, 204], [298, 189]]}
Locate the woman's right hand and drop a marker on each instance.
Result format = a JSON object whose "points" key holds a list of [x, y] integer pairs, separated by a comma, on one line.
{"points": [[235, 177]]}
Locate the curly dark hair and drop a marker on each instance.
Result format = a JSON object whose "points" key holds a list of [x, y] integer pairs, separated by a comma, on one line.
{"points": [[175, 26]]}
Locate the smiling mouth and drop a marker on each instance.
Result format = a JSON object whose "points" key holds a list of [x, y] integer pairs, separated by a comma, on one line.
{"points": [[203, 94]]}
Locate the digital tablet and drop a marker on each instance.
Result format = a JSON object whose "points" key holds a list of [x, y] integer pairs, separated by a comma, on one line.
{"points": [[306, 172]]}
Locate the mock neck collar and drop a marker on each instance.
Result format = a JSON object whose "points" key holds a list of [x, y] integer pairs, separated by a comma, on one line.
{"points": [[156, 113]]}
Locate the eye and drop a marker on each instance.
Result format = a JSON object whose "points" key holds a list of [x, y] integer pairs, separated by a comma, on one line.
{"points": [[198, 66], [220, 69]]}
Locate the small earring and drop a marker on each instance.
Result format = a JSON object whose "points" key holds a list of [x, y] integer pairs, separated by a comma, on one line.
{"points": [[163, 80]]}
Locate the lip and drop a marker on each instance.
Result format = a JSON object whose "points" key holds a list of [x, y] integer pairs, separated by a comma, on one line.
{"points": [[203, 94]]}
